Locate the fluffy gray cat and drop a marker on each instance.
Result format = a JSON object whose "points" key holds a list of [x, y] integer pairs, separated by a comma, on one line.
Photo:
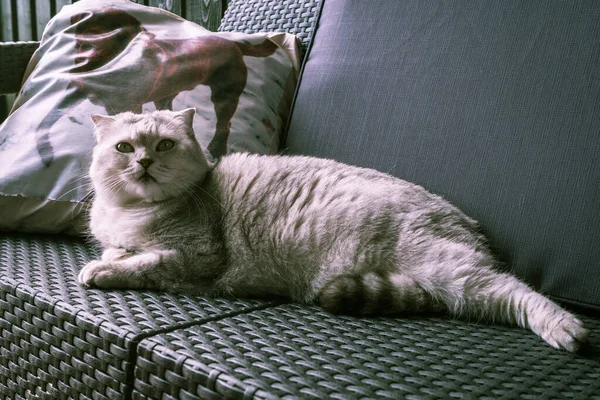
{"points": [[352, 240]]}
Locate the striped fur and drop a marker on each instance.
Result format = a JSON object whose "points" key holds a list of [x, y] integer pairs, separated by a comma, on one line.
{"points": [[354, 240]]}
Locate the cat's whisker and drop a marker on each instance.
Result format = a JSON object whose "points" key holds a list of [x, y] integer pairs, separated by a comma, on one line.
{"points": [[82, 176], [113, 185], [81, 209], [197, 202], [192, 195], [68, 192], [212, 197], [109, 107], [85, 183]]}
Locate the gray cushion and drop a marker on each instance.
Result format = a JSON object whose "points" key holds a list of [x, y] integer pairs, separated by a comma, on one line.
{"points": [[494, 105]]}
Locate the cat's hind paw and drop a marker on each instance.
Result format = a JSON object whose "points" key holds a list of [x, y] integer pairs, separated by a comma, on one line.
{"points": [[568, 333]]}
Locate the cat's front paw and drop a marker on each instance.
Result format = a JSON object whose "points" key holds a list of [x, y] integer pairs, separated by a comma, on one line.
{"points": [[100, 274], [115, 254], [566, 332]]}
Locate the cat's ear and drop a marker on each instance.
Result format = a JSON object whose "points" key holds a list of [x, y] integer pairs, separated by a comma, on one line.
{"points": [[102, 124], [188, 117]]}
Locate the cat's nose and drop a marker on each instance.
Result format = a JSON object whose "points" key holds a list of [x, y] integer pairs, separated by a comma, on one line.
{"points": [[146, 162]]}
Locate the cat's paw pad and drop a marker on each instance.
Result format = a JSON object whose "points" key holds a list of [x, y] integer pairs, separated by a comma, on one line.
{"points": [[567, 333], [98, 273]]}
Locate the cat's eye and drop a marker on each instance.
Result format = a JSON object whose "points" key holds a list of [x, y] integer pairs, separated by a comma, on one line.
{"points": [[164, 145], [124, 147]]}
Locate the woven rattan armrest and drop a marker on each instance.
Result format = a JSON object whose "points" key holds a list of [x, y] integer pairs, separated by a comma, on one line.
{"points": [[14, 57]]}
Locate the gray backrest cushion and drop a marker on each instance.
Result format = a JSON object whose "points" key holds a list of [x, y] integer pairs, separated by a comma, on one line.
{"points": [[493, 104]]}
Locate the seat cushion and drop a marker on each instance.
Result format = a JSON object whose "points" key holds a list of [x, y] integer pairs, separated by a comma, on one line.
{"points": [[304, 353], [494, 105], [60, 340]]}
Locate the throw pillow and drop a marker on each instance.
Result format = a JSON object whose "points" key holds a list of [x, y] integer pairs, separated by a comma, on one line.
{"points": [[114, 56]]}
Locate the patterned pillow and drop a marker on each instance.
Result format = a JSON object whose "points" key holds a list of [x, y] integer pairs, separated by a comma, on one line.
{"points": [[119, 56]]}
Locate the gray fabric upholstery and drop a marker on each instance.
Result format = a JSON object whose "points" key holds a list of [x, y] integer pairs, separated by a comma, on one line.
{"points": [[493, 104]]}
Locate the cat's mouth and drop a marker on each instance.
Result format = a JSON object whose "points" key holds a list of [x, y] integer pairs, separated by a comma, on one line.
{"points": [[146, 178]]}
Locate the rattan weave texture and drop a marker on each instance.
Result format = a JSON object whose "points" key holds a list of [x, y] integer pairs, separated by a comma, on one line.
{"points": [[251, 16], [59, 340], [14, 57], [298, 352]]}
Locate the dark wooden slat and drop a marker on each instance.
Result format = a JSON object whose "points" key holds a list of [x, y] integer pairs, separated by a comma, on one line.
{"points": [[173, 6], [6, 31], [206, 13], [24, 28], [60, 4], [14, 58], [43, 13]]}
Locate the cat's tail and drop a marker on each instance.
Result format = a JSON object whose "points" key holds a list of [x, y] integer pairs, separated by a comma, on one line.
{"points": [[470, 288], [373, 293], [263, 49]]}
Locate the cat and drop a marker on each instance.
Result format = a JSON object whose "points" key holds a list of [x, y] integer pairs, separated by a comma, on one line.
{"points": [[352, 240], [171, 66]]}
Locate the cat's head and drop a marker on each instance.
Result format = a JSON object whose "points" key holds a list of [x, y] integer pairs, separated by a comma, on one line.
{"points": [[146, 157]]}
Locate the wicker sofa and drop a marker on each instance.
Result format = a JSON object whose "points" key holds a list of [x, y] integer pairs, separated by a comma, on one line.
{"points": [[59, 340]]}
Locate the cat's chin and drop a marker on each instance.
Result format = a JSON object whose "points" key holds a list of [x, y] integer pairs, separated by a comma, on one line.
{"points": [[151, 191], [145, 189]]}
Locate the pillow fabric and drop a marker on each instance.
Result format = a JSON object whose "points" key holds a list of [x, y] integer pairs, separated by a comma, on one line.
{"points": [[494, 105], [114, 56]]}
